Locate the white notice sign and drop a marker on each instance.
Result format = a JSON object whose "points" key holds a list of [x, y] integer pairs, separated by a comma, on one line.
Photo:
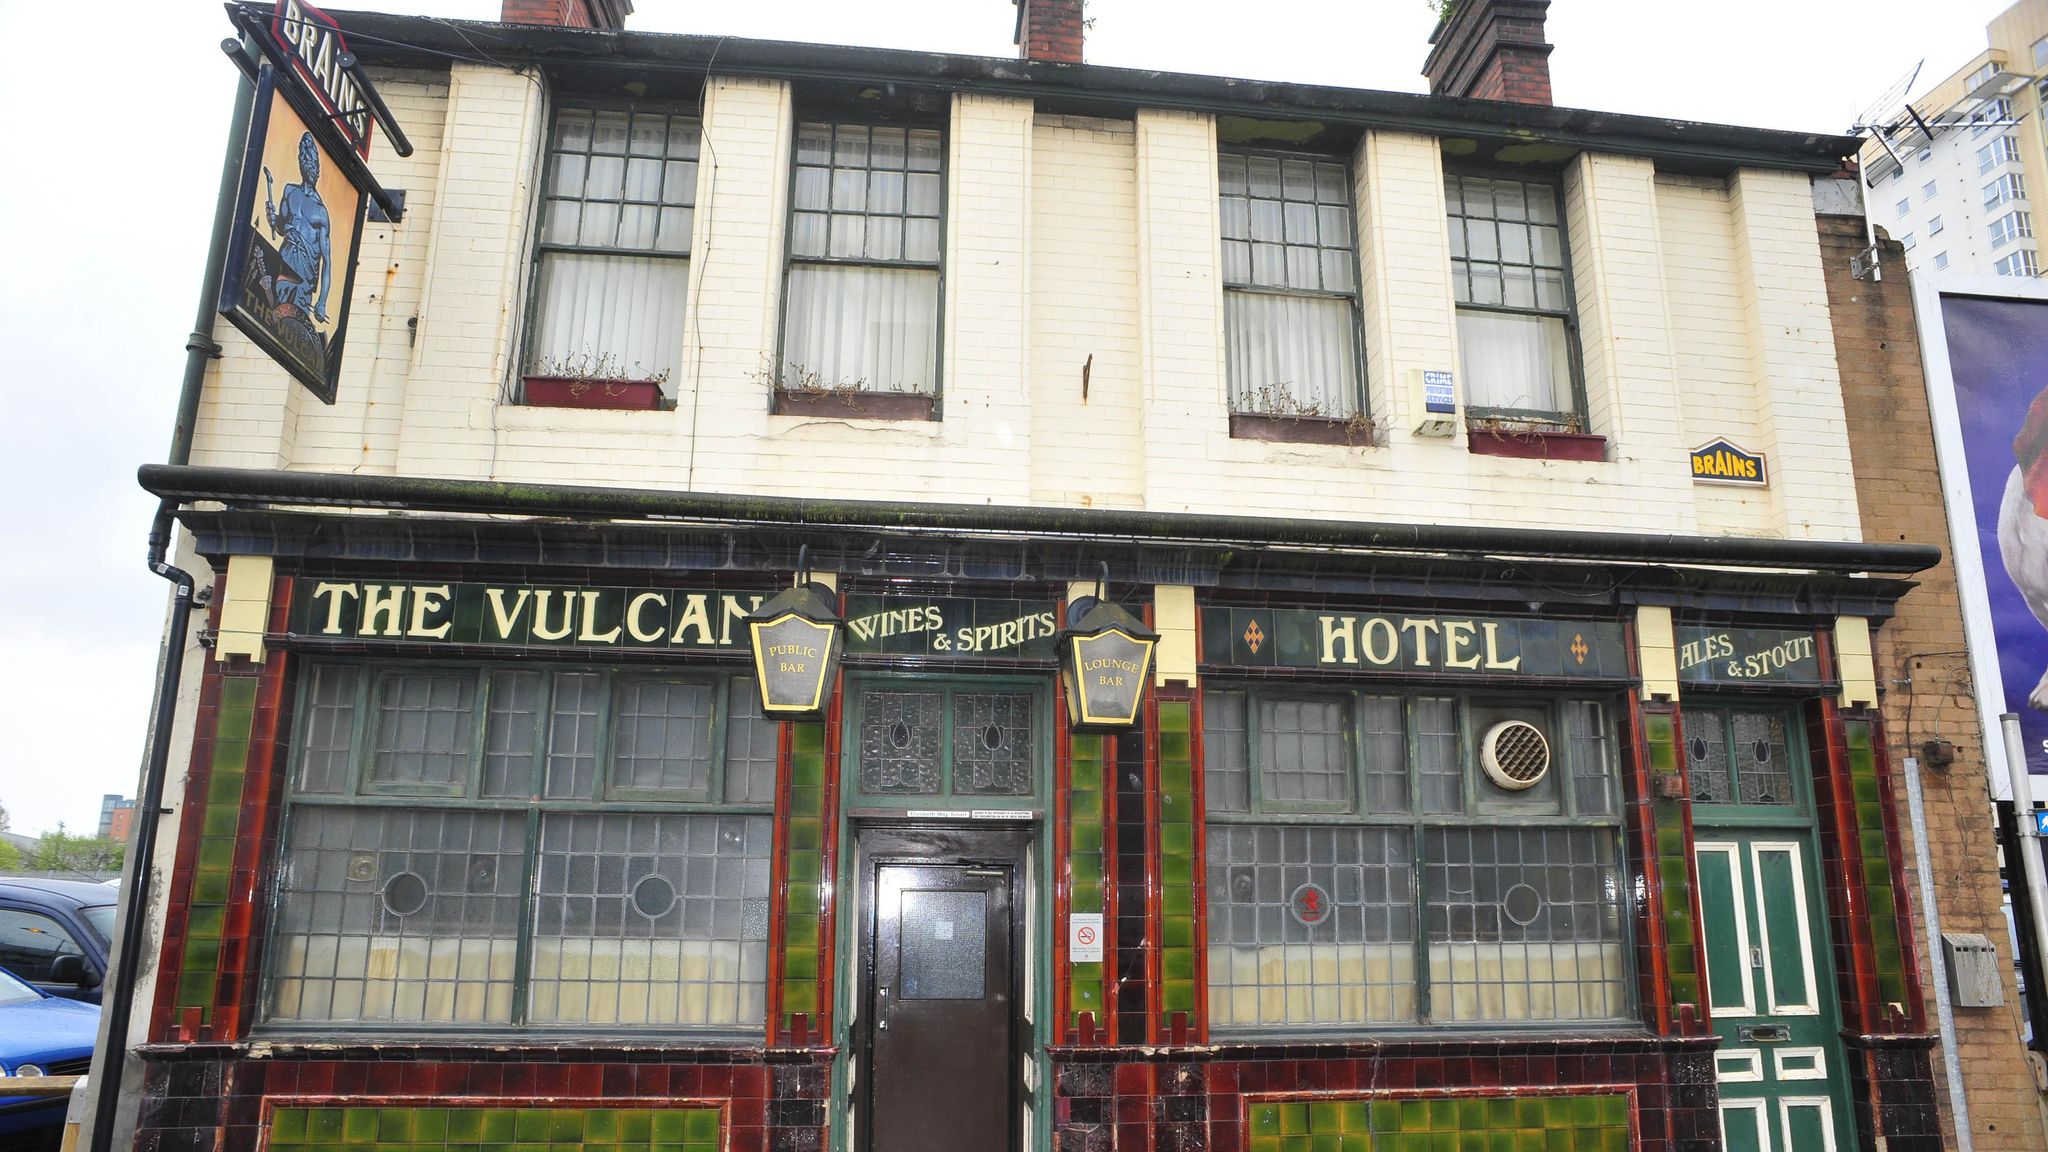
{"points": [[1084, 938]]}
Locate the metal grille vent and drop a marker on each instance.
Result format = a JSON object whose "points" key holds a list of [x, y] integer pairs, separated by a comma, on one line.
{"points": [[1515, 754]]}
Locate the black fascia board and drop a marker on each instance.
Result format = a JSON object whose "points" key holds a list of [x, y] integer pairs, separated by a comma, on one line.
{"points": [[430, 546], [417, 41], [245, 487]]}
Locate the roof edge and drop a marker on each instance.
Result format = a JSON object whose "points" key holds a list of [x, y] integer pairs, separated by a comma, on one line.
{"points": [[381, 38]]}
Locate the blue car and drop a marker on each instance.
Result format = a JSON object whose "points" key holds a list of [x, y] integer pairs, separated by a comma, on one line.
{"points": [[40, 1035], [55, 934]]}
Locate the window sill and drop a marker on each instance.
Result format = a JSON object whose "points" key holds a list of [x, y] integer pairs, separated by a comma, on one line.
{"points": [[1348, 433], [567, 392], [855, 405], [1531, 444]]}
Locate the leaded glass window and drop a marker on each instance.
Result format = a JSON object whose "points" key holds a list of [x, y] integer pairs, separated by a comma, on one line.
{"points": [[992, 745], [965, 740], [1740, 756], [900, 737], [505, 897], [1404, 908]]}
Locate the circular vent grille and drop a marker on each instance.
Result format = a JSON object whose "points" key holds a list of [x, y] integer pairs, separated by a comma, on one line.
{"points": [[1515, 754]]}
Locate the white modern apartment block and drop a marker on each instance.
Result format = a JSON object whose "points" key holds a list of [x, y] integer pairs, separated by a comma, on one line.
{"points": [[1956, 179]]}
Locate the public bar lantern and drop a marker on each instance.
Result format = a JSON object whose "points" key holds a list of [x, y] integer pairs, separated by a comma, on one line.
{"points": [[1105, 663], [798, 638]]}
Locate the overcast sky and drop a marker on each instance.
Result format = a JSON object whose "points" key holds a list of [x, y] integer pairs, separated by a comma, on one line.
{"points": [[117, 122]]}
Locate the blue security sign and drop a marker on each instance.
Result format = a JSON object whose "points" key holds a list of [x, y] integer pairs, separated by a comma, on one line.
{"points": [[2041, 823]]}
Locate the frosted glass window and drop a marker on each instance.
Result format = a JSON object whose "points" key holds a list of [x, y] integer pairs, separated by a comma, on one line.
{"points": [[1525, 924], [651, 919], [1310, 925], [508, 899], [424, 729], [1405, 909], [661, 737]]}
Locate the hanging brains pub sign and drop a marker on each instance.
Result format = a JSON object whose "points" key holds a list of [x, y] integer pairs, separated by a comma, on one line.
{"points": [[298, 212]]}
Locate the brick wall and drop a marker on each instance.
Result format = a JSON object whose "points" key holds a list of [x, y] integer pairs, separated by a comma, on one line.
{"points": [[1921, 669]]}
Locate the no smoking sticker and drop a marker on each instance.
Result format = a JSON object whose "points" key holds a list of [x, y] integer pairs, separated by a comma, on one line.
{"points": [[1084, 938]]}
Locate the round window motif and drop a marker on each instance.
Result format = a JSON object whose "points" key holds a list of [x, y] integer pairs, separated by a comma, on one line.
{"points": [[899, 735], [1522, 904], [405, 894], [992, 738], [1762, 752], [1309, 905], [1698, 748], [653, 896]]}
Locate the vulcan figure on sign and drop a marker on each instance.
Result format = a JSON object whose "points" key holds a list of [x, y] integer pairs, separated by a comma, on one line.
{"points": [[305, 245]]}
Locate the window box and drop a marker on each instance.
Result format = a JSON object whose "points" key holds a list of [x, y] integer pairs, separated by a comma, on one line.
{"points": [[853, 404], [578, 392], [1536, 444], [1354, 432]]}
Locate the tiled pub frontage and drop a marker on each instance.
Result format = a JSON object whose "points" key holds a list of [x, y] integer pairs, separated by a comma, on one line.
{"points": [[1432, 839]]}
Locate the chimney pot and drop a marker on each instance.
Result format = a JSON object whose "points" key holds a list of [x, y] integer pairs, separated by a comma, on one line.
{"points": [[1049, 31], [607, 14], [1491, 50]]}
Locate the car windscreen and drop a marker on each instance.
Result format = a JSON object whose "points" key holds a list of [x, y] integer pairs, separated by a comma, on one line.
{"points": [[13, 991], [100, 918]]}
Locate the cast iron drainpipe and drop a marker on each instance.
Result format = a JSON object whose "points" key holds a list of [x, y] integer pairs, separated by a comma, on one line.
{"points": [[110, 1054], [135, 925]]}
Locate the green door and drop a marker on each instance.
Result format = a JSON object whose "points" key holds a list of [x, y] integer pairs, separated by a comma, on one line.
{"points": [[1770, 986]]}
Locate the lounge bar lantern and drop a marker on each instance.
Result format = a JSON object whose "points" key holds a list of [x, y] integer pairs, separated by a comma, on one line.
{"points": [[1105, 662], [798, 638]]}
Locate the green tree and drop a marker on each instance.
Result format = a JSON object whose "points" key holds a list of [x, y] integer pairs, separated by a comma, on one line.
{"points": [[60, 851], [10, 857]]}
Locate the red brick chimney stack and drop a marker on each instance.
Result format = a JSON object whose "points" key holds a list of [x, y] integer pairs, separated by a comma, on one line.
{"points": [[608, 14], [1048, 31], [1491, 50]]}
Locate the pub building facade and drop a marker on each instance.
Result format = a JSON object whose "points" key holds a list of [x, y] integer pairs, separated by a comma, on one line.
{"points": [[1497, 779]]}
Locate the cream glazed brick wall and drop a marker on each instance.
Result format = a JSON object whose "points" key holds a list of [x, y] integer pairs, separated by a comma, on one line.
{"points": [[729, 326], [253, 415], [1406, 295], [360, 431], [980, 451], [1193, 464], [476, 265], [1084, 292], [1625, 334], [1710, 335], [1792, 360], [1180, 306]]}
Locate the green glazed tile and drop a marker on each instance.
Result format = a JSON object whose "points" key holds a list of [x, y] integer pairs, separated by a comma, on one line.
{"points": [[808, 739]]}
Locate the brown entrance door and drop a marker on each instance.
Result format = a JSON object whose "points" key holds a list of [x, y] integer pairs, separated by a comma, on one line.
{"points": [[942, 1007]]}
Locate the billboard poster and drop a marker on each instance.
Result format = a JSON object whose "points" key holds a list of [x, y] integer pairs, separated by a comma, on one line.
{"points": [[1998, 359], [291, 261]]}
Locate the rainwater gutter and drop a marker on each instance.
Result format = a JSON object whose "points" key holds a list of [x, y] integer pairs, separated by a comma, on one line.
{"points": [[243, 486]]}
